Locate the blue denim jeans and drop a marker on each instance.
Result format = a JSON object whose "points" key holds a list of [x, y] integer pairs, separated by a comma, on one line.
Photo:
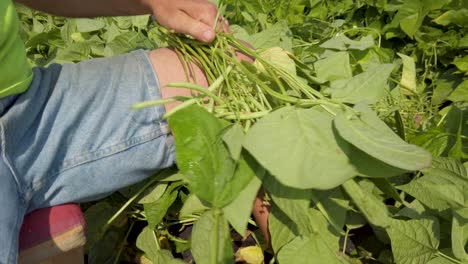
{"points": [[72, 137]]}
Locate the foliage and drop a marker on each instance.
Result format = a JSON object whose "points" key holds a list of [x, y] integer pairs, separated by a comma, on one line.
{"points": [[353, 119]]}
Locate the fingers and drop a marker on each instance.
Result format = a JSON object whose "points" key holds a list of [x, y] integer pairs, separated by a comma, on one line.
{"points": [[193, 17], [223, 25], [201, 10], [185, 24]]}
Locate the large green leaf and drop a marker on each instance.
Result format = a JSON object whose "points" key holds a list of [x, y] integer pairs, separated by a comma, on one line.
{"points": [[334, 67], [448, 185], [290, 200], [153, 193], [418, 190], [87, 25], [299, 148], [332, 205], [442, 187], [460, 233], [233, 139], [452, 165], [238, 211], [282, 229], [367, 132], [457, 124], [369, 166], [460, 93], [342, 42], [202, 155], [414, 241], [374, 210], [211, 239], [408, 76], [367, 87], [192, 206], [155, 211], [458, 17], [308, 249]]}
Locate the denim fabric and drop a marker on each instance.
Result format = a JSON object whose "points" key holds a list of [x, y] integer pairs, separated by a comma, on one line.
{"points": [[72, 137]]}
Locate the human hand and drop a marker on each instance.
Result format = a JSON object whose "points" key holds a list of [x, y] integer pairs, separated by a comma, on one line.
{"points": [[192, 17]]}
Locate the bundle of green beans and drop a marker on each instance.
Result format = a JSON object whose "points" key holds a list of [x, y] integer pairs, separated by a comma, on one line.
{"points": [[239, 91]]}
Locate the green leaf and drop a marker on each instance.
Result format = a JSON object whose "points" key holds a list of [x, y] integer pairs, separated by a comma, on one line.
{"points": [[415, 210], [238, 211], [140, 22], [333, 206], [305, 154], [308, 249], [460, 233], [126, 42], [442, 187], [277, 57], [439, 260], [156, 211], [457, 17], [323, 247], [367, 87], [460, 94], [277, 35], [408, 76], [192, 206], [411, 23], [418, 190], [448, 185], [211, 239], [88, 25], [153, 193], [434, 140], [445, 84], [148, 243], [292, 202], [233, 138], [202, 155], [74, 52], [369, 166], [334, 67], [374, 210], [452, 165], [410, 16], [96, 217], [456, 151], [282, 229], [342, 42], [456, 119], [461, 63], [386, 187], [414, 241], [367, 132]]}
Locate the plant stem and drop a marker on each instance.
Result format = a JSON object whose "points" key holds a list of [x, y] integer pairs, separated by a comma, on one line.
{"points": [[122, 245], [440, 254], [246, 116], [214, 248], [130, 201], [197, 88], [142, 105], [345, 241]]}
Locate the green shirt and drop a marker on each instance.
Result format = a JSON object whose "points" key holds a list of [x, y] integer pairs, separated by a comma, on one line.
{"points": [[15, 71]]}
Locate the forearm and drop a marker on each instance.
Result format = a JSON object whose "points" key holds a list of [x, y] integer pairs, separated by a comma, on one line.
{"points": [[90, 8]]}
